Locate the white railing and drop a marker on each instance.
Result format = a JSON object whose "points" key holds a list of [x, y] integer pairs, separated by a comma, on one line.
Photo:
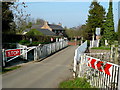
{"points": [[99, 73], [40, 51], [78, 52], [97, 68]]}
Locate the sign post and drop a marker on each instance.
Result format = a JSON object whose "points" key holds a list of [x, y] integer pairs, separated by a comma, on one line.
{"points": [[98, 36]]}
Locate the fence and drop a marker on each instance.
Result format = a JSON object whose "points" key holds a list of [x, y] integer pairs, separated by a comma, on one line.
{"points": [[78, 52], [40, 51], [94, 43], [98, 71]]}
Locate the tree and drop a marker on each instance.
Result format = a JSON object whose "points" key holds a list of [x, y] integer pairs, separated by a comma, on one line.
{"points": [[11, 15], [83, 32], [39, 21], [29, 25], [119, 31], [96, 18], [21, 26], [109, 33], [20, 17], [7, 18]]}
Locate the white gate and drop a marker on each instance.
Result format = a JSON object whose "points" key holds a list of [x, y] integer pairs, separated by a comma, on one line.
{"points": [[40, 51]]}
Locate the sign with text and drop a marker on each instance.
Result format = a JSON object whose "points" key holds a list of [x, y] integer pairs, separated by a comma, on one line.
{"points": [[11, 53], [98, 31]]}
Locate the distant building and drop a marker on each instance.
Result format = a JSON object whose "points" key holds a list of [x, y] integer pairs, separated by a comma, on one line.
{"points": [[48, 29], [57, 29]]}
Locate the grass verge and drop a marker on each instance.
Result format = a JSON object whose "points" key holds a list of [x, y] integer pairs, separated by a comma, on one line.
{"points": [[5, 70], [101, 48], [76, 83]]}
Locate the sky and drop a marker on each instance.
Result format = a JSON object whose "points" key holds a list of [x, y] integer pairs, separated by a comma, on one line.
{"points": [[70, 14]]}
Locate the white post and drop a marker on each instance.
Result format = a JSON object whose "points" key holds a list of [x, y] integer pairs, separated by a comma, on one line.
{"points": [[4, 58], [74, 64], [25, 53], [106, 42], [56, 39], [30, 40], [35, 54], [119, 79], [93, 40], [98, 42], [80, 65]]}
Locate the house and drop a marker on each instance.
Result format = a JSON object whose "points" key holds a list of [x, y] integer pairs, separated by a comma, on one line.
{"points": [[57, 29], [48, 29]]}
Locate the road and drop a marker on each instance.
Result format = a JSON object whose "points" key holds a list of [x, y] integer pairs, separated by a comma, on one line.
{"points": [[44, 74]]}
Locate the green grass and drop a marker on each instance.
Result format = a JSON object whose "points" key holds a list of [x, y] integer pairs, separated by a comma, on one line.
{"points": [[76, 83], [5, 70], [102, 48]]}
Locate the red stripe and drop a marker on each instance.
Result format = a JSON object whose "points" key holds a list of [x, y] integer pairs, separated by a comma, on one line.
{"points": [[106, 69], [92, 63]]}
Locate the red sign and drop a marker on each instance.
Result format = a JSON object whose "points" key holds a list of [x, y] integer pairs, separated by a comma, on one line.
{"points": [[99, 65], [11, 53]]}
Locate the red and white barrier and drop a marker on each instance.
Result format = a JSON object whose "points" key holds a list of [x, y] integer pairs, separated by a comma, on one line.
{"points": [[100, 65]]}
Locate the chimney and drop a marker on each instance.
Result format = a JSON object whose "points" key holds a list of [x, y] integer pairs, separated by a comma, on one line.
{"points": [[59, 24], [45, 23], [46, 26]]}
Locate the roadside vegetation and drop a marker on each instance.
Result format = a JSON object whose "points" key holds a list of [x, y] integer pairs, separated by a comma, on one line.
{"points": [[5, 70], [76, 83], [102, 48]]}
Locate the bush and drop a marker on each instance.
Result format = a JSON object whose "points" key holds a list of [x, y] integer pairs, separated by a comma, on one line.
{"points": [[24, 42], [12, 38], [33, 32]]}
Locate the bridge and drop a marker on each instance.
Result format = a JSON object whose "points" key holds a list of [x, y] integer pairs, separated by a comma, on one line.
{"points": [[47, 73]]}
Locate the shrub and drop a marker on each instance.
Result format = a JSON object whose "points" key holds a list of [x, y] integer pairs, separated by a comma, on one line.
{"points": [[33, 32], [24, 42]]}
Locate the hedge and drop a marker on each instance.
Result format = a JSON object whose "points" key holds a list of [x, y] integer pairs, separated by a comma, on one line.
{"points": [[12, 38]]}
